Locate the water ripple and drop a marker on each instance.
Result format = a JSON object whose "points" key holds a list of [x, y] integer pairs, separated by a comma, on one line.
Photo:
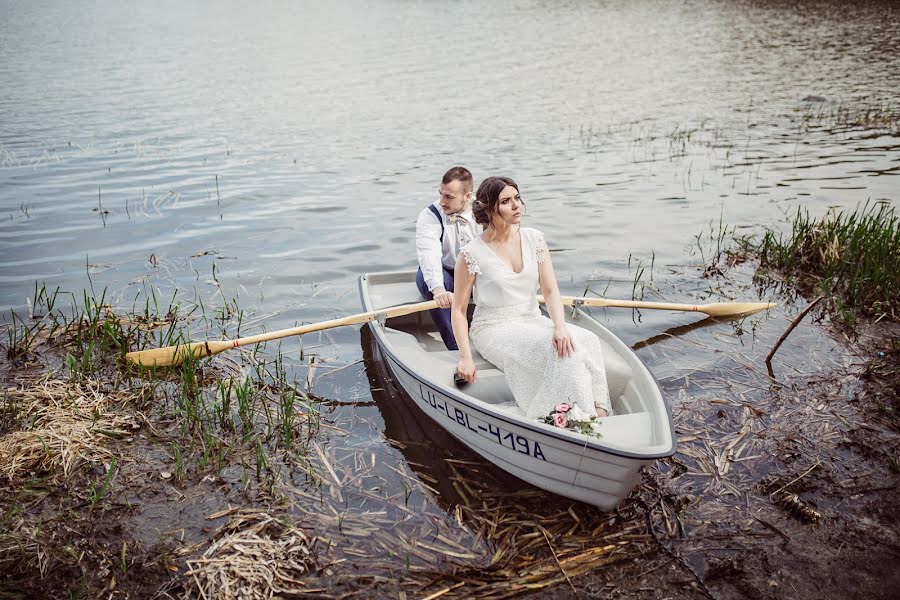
{"points": [[302, 139]]}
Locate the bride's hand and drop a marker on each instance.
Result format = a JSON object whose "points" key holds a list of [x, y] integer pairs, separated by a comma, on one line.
{"points": [[563, 342], [465, 368]]}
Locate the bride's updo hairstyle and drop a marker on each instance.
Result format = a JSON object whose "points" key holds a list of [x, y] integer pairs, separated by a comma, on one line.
{"points": [[488, 197]]}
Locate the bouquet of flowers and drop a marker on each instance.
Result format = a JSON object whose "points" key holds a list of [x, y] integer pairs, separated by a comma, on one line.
{"points": [[571, 417]]}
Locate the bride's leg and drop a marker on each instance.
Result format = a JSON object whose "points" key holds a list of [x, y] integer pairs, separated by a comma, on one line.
{"points": [[539, 378], [591, 353]]}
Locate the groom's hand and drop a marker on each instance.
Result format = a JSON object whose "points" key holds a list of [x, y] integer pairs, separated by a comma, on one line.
{"points": [[443, 298]]}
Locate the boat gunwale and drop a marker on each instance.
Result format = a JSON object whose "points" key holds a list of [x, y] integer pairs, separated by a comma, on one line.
{"points": [[581, 442]]}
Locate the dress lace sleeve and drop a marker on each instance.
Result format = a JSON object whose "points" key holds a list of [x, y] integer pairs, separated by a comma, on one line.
{"points": [[540, 246], [471, 263]]}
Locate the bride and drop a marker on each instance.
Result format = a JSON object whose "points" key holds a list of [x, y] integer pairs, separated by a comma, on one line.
{"points": [[546, 362]]}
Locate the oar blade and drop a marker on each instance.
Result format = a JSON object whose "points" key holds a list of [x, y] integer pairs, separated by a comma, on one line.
{"points": [[735, 309], [174, 355]]}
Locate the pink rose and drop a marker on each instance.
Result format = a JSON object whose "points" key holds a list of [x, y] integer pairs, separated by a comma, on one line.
{"points": [[559, 419], [563, 408]]}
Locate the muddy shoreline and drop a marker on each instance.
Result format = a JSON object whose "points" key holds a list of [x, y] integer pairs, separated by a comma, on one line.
{"points": [[784, 486], [840, 539]]}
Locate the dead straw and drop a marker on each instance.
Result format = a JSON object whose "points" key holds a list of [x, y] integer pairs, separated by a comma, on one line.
{"points": [[19, 548], [66, 425], [255, 556]]}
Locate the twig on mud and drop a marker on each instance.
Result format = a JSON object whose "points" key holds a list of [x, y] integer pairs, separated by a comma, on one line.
{"points": [[788, 331], [773, 528], [799, 507], [657, 567], [445, 590], [796, 479]]}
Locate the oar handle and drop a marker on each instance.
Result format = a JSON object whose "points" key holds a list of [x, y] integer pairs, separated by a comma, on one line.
{"points": [[603, 302], [397, 311]]}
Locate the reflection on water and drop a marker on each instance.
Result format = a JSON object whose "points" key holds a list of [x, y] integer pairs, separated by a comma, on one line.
{"points": [[674, 332], [436, 456], [491, 532]]}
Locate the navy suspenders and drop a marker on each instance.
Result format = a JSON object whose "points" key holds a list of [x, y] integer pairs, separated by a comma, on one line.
{"points": [[437, 214]]}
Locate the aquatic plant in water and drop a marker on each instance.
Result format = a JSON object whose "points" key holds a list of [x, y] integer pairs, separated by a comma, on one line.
{"points": [[851, 257]]}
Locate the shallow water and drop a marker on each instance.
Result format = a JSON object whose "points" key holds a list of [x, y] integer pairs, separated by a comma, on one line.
{"points": [[273, 153]]}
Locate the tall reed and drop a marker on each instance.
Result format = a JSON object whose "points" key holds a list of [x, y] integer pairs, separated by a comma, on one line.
{"points": [[852, 257]]}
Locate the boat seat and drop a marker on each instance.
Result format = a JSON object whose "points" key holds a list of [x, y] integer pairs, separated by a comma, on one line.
{"points": [[629, 430], [491, 387], [440, 366], [632, 430]]}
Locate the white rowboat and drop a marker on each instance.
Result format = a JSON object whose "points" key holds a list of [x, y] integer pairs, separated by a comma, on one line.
{"points": [[484, 415]]}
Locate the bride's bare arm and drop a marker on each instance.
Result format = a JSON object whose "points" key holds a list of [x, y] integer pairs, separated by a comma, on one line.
{"points": [[562, 340], [463, 282]]}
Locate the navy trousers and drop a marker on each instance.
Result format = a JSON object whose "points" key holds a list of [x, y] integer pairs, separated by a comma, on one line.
{"points": [[441, 316]]}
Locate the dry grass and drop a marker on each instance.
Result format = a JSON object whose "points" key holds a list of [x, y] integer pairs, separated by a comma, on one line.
{"points": [[493, 545], [64, 425], [19, 548], [255, 556]]}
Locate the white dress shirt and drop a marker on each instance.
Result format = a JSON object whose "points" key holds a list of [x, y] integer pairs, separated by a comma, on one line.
{"points": [[434, 256]]}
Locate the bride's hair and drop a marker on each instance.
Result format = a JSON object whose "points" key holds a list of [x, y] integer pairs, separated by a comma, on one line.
{"points": [[487, 198]]}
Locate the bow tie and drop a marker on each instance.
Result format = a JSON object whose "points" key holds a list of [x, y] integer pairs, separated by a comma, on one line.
{"points": [[457, 218]]}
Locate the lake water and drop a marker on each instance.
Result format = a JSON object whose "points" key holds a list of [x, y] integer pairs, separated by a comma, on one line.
{"points": [[272, 152], [295, 142]]}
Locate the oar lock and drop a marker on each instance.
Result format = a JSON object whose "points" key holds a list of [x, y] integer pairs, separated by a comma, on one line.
{"points": [[576, 302]]}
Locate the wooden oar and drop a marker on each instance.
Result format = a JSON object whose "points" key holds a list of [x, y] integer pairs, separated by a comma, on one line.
{"points": [[173, 355], [714, 309]]}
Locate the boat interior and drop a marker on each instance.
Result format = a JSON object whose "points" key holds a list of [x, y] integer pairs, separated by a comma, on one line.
{"points": [[417, 343]]}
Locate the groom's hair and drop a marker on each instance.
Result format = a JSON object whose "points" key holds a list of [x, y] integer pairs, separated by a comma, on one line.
{"points": [[460, 174], [487, 198]]}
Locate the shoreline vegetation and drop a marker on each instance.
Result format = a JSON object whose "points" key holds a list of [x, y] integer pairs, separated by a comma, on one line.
{"points": [[218, 475], [851, 258]]}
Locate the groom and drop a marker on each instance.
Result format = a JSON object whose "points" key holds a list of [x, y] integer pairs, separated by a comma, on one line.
{"points": [[442, 229]]}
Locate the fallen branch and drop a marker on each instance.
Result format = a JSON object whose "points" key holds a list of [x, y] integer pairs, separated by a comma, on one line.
{"points": [[790, 328]]}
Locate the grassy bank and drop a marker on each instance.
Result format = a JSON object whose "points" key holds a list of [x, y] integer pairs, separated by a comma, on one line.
{"points": [[221, 411], [86, 439], [852, 258]]}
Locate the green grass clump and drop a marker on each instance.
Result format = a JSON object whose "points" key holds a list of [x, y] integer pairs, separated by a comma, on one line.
{"points": [[219, 416], [851, 257]]}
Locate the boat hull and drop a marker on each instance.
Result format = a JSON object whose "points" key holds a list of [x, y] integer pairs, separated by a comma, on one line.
{"points": [[557, 460], [564, 468]]}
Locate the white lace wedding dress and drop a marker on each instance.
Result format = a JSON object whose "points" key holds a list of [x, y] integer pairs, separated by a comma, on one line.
{"points": [[509, 330]]}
